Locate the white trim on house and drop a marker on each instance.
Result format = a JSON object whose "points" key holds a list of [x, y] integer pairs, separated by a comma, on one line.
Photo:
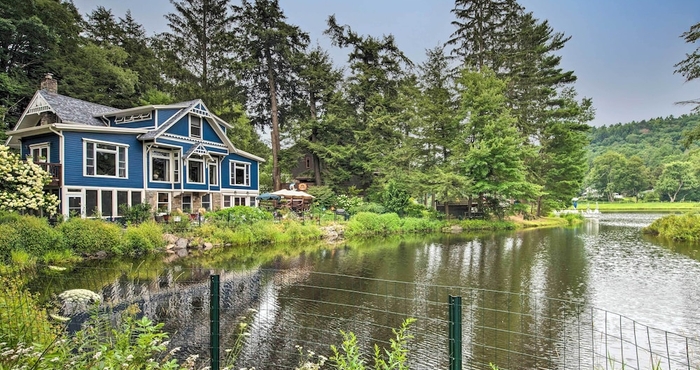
{"points": [[216, 171], [39, 146], [185, 139], [202, 172], [191, 120], [232, 172], [119, 148]]}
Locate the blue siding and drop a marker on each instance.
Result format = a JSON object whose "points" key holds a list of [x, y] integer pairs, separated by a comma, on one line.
{"points": [[226, 172], [181, 127], [149, 123], [209, 133], [54, 146], [164, 114], [73, 166]]}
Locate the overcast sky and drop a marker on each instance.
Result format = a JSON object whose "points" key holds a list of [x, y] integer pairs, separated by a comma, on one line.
{"points": [[622, 51]]}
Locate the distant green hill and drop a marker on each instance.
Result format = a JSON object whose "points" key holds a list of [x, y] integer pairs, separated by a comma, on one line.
{"points": [[656, 141]]}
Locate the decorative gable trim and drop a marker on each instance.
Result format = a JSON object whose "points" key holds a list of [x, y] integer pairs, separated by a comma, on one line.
{"points": [[38, 105], [197, 149], [133, 118]]}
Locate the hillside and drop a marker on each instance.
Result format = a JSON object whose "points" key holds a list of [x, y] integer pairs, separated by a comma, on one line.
{"points": [[656, 141]]}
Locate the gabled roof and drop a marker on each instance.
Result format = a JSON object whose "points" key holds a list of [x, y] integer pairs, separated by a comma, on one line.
{"points": [[197, 149], [184, 110], [71, 110]]}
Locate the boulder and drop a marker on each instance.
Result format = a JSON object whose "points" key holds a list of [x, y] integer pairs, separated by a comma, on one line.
{"points": [[170, 238], [181, 243], [208, 246], [182, 252]]}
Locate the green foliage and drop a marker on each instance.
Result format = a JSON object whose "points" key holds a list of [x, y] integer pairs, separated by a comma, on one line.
{"points": [[324, 196], [136, 214], [348, 356], [677, 227], [30, 234], [572, 218], [22, 320], [87, 236], [474, 225], [367, 207], [142, 238], [365, 224], [395, 198], [241, 215], [8, 217]]}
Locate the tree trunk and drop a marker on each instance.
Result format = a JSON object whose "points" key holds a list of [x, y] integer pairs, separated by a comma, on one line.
{"points": [[275, 132], [314, 135], [539, 206]]}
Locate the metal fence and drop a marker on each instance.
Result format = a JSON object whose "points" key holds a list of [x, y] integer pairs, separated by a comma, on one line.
{"points": [[202, 310]]}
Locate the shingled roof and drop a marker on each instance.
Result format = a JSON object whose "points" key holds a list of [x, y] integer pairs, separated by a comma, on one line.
{"points": [[71, 110]]}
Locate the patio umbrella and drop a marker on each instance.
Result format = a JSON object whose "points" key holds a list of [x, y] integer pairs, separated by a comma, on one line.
{"points": [[293, 194], [268, 196]]}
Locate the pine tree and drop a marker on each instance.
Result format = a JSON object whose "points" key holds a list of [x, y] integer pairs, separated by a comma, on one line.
{"points": [[481, 31], [267, 48], [200, 49], [373, 90]]}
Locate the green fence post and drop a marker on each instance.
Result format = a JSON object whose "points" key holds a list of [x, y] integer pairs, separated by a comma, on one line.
{"points": [[214, 321], [455, 329]]}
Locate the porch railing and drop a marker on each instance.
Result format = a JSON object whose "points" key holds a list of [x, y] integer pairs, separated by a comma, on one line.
{"points": [[54, 169]]}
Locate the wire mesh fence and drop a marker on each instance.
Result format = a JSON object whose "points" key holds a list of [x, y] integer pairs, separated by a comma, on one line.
{"points": [[285, 310]]}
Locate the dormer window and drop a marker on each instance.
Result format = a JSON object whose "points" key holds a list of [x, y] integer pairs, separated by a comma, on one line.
{"points": [[195, 127]]}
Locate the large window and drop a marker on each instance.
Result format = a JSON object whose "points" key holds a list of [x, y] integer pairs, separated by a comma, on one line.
{"points": [[105, 159], [187, 203], [195, 127], [240, 173], [195, 171], [163, 202]]}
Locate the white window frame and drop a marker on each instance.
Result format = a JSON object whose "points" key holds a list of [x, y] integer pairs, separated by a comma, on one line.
{"points": [[215, 172], [193, 119], [117, 166], [160, 155], [207, 205], [158, 203], [232, 175], [202, 172], [40, 147]]}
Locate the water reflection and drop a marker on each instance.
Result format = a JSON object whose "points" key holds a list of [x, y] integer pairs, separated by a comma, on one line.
{"points": [[545, 282]]}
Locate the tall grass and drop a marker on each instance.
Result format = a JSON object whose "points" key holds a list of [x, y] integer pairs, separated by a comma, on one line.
{"points": [[684, 227], [367, 224]]}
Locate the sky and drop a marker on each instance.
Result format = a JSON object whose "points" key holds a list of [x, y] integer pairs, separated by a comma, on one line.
{"points": [[622, 51]]}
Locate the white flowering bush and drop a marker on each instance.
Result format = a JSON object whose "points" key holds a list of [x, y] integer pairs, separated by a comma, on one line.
{"points": [[22, 188]]}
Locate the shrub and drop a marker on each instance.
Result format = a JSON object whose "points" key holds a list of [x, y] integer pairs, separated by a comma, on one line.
{"points": [[368, 207], [91, 235], [136, 214], [240, 215], [413, 225], [677, 227], [8, 216], [30, 234], [395, 198], [22, 320], [324, 196], [142, 238], [390, 222], [364, 223]]}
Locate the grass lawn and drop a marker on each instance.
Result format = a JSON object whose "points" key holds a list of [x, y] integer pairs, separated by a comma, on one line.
{"points": [[640, 206]]}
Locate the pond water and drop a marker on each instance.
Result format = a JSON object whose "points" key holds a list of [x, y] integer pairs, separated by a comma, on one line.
{"points": [[526, 279]]}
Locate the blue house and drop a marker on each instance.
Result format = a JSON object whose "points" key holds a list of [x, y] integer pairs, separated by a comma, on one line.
{"points": [[170, 156]]}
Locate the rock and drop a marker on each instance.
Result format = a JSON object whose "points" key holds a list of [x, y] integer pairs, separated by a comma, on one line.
{"points": [[454, 229], [101, 255], [181, 244], [208, 246], [182, 252], [170, 238], [170, 247], [227, 245], [171, 258]]}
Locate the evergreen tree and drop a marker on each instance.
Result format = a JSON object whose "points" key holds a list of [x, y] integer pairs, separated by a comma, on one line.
{"points": [[318, 82], [199, 50], [267, 48], [481, 31], [372, 90], [491, 150]]}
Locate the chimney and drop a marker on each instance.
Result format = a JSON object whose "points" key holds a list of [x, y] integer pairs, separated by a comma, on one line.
{"points": [[49, 84]]}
